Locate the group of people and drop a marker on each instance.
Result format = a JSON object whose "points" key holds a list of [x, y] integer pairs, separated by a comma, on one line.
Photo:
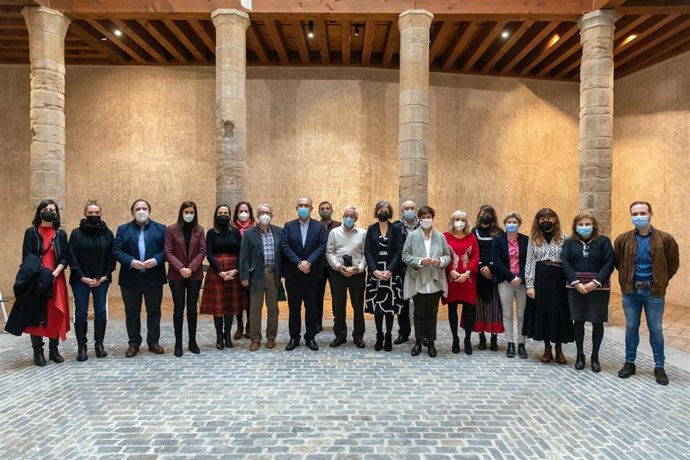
{"points": [[556, 281]]}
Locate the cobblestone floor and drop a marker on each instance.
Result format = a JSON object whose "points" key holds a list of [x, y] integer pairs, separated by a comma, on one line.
{"points": [[344, 403]]}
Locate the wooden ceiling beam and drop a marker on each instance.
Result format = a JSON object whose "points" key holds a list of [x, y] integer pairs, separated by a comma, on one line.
{"points": [[495, 30], [606, 4], [202, 32], [257, 44], [276, 35], [674, 45], [77, 29], [634, 24], [134, 31], [121, 41], [345, 41], [543, 33], [186, 42], [322, 37], [508, 44], [462, 41], [368, 43], [392, 43], [549, 50], [683, 26], [644, 33], [441, 40], [164, 38], [301, 41], [574, 48]]}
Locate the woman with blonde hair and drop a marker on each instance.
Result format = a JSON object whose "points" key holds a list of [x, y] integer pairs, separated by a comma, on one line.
{"points": [[547, 316], [462, 277], [588, 263]]}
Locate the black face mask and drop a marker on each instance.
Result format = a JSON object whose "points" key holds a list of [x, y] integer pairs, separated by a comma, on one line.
{"points": [[546, 227], [93, 220], [486, 220], [49, 216], [383, 216], [223, 221]]}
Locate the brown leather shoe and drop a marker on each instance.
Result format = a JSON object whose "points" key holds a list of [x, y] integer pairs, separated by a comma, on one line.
{"points": [[560, 357], [255, 346], [271, 344], [547, 357], [157, 349], [238, 333], [132, 351]]}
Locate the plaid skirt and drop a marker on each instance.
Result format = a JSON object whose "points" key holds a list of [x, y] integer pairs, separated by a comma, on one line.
{"points": [[222, 297]]}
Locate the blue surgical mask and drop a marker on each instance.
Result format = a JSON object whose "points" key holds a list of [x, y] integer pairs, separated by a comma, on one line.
{"points": [[512, 228], [409, 215], [640, 221], [303, 213], [584, 232], [348, 222]]}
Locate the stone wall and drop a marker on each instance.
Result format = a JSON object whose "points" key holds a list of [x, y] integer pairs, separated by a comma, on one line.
{"points": [[328, 133]]}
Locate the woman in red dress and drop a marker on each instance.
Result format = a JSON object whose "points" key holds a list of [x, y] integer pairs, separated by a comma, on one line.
{"points": [[48, 241], [243, 218], [462, 277]]}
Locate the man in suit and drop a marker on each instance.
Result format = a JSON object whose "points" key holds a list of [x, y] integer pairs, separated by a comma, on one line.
{"points": [[260, 269], [139, 247], [303, 245]]}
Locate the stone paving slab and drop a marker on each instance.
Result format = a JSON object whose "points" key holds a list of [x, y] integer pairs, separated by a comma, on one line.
{"points": [[334, 404]]}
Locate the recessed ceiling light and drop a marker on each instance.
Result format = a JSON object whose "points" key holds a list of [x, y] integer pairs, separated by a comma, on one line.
{"points": [[505, 34], [118, 32], [628, 39], [104, 39], [310, 33], [553, 40]]}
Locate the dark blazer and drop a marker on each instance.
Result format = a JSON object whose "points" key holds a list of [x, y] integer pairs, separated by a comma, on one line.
{"points": [[499, 255], [32, 288], [33, 244], [126, 249], [599, 259], [175, 251], [395, 246], [252, 256], [90, 253], [312, 251]]}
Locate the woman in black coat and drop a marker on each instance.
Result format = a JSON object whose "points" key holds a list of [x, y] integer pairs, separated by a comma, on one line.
{"points": [[587, 261], [383, 252]]}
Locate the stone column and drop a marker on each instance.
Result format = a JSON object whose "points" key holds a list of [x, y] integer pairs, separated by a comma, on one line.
{"points": [[47, 29], [231, 104], [413, 137], [596, 114]]}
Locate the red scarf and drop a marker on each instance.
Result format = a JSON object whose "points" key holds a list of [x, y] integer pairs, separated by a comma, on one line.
{"points": [[244, 225]]}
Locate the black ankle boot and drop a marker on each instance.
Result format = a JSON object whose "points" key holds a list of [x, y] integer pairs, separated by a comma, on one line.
{"points": [[228, 331], [80, 332], [218, 323], [388, 342], [510, 353], [522, 351], [191, 328], [98, 336], [432, 350], [53, 352], [177, 324], [417, 348], [456, 345], [482, 341], [378, 346], [596, 367], [580, 361], [37, 345], [494, 342], [468, 346]]}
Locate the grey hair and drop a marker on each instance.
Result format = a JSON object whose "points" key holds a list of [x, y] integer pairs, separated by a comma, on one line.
{"points": [[304, 198], [353, 209], [264, 205]]}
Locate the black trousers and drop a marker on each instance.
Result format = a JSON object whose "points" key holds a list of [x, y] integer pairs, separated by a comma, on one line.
{"points": [[299, 291], [426, 315], [340, 286], [132, 297], [322, 293], [404, 325], [179, 288]]}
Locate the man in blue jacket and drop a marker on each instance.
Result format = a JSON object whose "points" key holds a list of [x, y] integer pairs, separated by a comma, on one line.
{"points": [[138, 247], [303, 246]]}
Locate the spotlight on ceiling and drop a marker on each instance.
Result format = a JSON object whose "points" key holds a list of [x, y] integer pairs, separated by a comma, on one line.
{"points": [[118, 32], [628, 39], [310, 33], [356, 30], [505, 34], [553, 40]]}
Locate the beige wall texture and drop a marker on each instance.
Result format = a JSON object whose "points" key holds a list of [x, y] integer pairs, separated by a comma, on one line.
{"points": [[651, 160], [325, 133]]}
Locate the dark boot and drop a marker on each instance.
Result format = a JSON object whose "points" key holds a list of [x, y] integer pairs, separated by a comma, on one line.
{"points": [[468, 346], [37, 345], [560, 357], [417, 348], [510, 353], [53, 352], [378, 346], [596, 367], [580, 361], [522, 351], [218, 322], [240, 327], [228, 331], [547, 357], [80, 332], [482, 341], [98, 336], [177, 323], [388, 342], [191, 327], [456, 345], [494, 342], [432, 350]]}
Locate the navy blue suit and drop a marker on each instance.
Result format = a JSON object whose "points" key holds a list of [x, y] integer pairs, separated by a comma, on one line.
{"points": [[303, 287], [138, 284]]}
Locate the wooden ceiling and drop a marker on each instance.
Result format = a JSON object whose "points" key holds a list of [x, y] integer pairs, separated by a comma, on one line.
{"points": [[544, 45]]}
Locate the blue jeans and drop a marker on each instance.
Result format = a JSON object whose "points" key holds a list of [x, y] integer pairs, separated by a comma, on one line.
{"points": [[81, 301], [654, 313]]}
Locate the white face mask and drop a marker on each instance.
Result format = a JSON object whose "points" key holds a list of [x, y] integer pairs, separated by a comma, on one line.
{"points": [[243, 216], [265, 219], [426, 223], [459, 225], [188, 218], [141, 216]]}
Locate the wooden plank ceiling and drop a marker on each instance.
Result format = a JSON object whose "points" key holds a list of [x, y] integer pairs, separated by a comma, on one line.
{"points": [[530, 46]]}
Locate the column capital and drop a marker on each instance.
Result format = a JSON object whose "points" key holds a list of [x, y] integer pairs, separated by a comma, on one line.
{"points": [[43, 18], [597, 18], [230, 16], [415, 18]]}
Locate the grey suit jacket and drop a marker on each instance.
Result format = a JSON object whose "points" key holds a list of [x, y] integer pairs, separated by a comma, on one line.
{"points": [[252, 257], [417, 276]]}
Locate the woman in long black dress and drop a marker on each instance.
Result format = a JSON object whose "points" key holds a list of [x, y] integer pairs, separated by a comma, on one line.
{"points": [[588, 263], [547, 316], [382, 250]]}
